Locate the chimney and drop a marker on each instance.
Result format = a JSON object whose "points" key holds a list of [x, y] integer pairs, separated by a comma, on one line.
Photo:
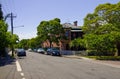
{"points": [[75, 23]]}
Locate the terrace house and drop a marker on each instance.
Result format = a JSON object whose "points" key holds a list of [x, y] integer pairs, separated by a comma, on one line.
{"points": [[72, 31]]}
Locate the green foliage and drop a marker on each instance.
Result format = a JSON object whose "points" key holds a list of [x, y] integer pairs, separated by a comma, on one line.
{"points": [[23, 44], [29, 43], [91, 23], [104, 57], [91, 53], [6, 38], [34, 43], [50, 30], [110, 13], [77, 42], [14, 39], [108, 58], [102, 30], [3, 31]]}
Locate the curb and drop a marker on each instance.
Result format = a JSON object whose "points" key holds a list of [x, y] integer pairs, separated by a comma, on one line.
{"points": [[116, 65]]}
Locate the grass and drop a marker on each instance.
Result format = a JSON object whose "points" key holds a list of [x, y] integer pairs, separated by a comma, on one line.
{"points": [[104, 57]]}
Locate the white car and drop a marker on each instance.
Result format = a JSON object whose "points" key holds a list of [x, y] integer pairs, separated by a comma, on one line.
{"points": [[41, 50]]}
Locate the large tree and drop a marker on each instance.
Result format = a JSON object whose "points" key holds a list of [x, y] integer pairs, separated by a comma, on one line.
{"points": [[23, 44], [102, 29], [3, 31], [6, 38], [3, 34], [34, 43], [105, 23], [50, 30]]}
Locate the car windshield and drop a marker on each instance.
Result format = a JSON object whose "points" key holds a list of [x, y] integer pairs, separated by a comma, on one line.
{"points": [[40, 49], [21, 50], [54, 48]]}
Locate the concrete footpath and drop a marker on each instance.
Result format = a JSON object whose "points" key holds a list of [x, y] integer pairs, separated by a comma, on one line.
{"points": [[8, 68], [105, 62], [6, 60]]}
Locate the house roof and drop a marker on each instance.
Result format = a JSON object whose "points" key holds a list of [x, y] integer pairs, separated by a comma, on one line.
{"points": [[69, 25]]}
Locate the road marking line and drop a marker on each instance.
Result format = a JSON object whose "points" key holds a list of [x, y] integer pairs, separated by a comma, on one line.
{"points": [[19, 69], [22, 74]]}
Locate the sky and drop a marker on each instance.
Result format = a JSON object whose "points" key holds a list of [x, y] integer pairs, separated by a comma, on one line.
{"points": [[29, 13]]}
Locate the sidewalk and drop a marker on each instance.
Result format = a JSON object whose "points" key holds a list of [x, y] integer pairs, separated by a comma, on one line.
{"points": [[8, 68], [6, 60], [105, 62]]}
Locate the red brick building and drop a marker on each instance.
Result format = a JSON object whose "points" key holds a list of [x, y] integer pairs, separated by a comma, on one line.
{"points": [[72, 31]]}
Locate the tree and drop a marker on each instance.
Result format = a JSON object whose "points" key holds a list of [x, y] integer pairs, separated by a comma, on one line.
{"points": [[1, 13], [3, 33], [50, 30], [3, 30], [104, 25], [23, 44], [34, 43], [102, 29], [6, 38]]}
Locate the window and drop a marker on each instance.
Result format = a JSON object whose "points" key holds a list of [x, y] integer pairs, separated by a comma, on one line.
{"points": [[67, 33]]}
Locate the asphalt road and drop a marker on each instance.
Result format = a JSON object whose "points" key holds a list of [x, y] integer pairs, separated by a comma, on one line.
{"points": [[39, 66]]}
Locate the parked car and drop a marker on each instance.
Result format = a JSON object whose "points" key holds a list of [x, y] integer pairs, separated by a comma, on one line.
{"points": [[53, 52], [35, 50], [21, 52], [41, 50], [30, 50]]}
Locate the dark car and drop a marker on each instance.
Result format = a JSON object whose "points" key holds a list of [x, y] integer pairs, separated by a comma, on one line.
{"points": [[53, 52], [21, 52]]}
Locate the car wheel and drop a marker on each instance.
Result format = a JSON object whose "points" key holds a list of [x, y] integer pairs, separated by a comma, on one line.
{"points": [[51, 54]]}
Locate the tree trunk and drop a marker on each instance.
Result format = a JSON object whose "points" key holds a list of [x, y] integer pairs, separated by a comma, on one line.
{"points": [[118, 48], [50, 44]]}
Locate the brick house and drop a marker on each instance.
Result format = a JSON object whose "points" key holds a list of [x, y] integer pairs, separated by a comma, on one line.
{"points": [[72, 31]]}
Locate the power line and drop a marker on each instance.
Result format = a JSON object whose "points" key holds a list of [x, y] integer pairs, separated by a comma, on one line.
{"points": [[7, 6], [3, 8], [13, 6]]}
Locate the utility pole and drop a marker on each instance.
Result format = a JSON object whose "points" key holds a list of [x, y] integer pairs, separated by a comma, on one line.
{"points": [[10, 15], [12, 33], [12, 23]]}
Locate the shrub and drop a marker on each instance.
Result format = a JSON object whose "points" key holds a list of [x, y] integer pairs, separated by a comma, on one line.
{"points": [[91, 52], [108, 58]]}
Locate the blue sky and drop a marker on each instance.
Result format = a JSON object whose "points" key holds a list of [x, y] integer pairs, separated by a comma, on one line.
{"points": [[31, 12]]}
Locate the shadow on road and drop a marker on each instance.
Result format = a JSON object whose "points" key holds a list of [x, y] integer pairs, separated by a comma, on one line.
{"points": [[7, 60], [20, 57]]}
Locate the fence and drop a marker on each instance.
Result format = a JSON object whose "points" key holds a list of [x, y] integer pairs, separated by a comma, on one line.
{"points": [[69, 52]]}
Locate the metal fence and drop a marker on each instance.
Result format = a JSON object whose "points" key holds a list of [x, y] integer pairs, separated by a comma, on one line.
{"points": [[69, 52]]}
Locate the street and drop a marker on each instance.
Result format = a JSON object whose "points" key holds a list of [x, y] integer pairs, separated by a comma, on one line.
{"points": [[39, 66]]}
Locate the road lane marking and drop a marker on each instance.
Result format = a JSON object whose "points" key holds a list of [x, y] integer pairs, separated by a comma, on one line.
{"points": [[22, 74], [19, 69]]}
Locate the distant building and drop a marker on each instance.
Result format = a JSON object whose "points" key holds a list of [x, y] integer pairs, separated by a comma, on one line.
{"points": [[72, 31]]}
